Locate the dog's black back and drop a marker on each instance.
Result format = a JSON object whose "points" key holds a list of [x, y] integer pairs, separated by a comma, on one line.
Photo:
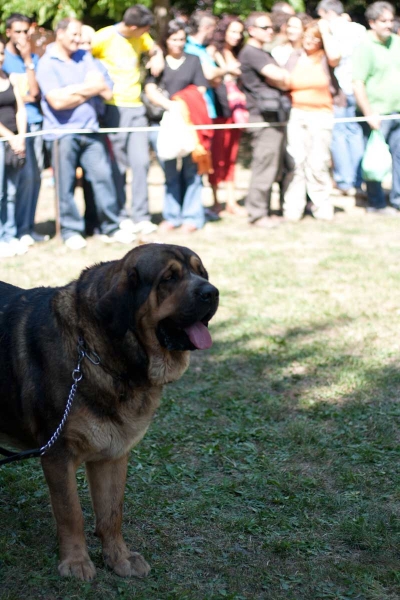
{"points": [[24, 314]]}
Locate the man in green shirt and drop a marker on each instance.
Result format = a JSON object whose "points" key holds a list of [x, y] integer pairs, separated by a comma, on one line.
{"points": [[376, 68]]}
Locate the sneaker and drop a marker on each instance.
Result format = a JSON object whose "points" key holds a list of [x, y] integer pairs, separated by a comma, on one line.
{"points": [[5, 250], [144, 227], [323, 213], [75, 242], [127, 225], [120, 235], [30, 239], [27, 240], [17, 247]]}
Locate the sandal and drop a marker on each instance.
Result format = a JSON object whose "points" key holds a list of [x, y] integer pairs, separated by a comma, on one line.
{"points": [[188, 228], [165, 227], [236, 209]]}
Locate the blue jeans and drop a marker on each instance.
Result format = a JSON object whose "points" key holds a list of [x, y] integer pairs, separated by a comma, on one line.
{"points": [[152, 137], [376, 196], [347, 147], [9, 177], [89, 152], [29, 183], [183, 188]]}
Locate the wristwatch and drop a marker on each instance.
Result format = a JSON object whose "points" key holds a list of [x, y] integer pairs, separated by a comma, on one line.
{"points": [[31, 66]]}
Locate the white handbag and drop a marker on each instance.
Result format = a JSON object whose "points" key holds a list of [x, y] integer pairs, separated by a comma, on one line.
{"points": [[175, 138]]}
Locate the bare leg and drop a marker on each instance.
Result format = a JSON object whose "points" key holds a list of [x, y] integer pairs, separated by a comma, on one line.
{"points": [[232, 206], [217, 206], [107, 485], [61, 479]]}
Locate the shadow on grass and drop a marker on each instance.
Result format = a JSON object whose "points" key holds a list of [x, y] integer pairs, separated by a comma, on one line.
{"points": [[268, 473], [304, 356]]}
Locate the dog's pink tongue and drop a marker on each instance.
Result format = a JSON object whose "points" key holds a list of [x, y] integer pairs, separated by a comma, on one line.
{"points": [[199, 336]]}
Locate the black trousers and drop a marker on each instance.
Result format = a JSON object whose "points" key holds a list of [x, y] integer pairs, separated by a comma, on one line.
{"points": [[267, 154]]}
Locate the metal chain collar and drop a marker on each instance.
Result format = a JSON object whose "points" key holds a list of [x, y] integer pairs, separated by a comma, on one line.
{"points": [[77, 375]]}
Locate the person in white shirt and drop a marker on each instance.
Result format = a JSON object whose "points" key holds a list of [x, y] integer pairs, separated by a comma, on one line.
{"points": [[347, 146]]}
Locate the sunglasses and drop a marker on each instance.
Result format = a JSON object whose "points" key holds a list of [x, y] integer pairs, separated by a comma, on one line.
{"points": [[265, 27]]}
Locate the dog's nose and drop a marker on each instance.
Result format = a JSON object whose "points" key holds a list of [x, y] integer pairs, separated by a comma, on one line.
{"points": [[208, 293]]}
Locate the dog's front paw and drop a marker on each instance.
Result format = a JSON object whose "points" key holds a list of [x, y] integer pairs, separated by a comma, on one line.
{"points": [[134, 565], [82, 568]]}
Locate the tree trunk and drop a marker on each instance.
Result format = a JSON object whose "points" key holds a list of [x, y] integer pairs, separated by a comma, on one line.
{"points": [[161, 10]]}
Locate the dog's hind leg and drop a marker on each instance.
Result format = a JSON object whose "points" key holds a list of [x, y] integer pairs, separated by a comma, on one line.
{"points": [[61, 478], [107, 485]]}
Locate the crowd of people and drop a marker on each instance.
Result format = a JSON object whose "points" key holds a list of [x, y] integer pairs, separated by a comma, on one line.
{"points": [[290, 74]]}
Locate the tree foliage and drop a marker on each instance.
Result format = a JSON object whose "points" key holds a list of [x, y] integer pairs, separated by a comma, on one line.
{"points": [[51, 11], [102, 12]]}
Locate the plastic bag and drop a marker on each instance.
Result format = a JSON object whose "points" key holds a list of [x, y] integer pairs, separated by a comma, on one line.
{"points": [[175, 138], [237, 103], [377, 161]]}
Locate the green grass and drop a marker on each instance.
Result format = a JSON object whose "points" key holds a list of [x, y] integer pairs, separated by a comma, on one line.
{"points": [[271, 470]]}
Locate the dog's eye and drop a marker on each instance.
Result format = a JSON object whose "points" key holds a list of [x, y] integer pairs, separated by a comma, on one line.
{"points": [[168, 277]]}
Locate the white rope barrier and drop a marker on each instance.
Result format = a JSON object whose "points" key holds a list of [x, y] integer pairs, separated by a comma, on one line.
{"points": [[57, 133], [260, 125]]}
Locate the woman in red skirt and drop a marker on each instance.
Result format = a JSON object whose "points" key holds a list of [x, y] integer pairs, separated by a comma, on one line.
{"points": [[226, 44]]}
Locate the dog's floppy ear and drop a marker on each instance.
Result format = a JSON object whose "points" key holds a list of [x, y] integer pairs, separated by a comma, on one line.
{"points": [[115, 309]]}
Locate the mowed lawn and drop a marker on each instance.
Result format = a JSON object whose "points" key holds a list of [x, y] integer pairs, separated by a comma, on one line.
{"points": [[271, 470]]}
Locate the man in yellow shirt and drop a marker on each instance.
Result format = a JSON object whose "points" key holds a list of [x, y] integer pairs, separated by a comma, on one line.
{"points": [[120, 47]]}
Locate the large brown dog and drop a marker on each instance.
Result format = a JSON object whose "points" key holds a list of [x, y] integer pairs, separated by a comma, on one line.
{"points": [[141, 316]]}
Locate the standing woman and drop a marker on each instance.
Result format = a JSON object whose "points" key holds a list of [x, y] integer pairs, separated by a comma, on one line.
{"points": [[12, 125], [225, 47], [294, 38], [313, 90], [183, 205], [281, 53]]}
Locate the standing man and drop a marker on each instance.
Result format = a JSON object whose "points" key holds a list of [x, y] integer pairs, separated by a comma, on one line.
{"points": [[280, 15], [262, 81], [20, 60], [120, 48], [70, 82], [283, 7], [347, 145], [376, 68]]}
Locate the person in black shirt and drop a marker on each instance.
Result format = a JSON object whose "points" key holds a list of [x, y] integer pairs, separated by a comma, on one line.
{"points": [[182, 203], [262, 79], [12, 152]]}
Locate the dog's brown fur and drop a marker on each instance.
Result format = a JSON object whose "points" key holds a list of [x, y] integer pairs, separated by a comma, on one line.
{"points": [[134, 313]]}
